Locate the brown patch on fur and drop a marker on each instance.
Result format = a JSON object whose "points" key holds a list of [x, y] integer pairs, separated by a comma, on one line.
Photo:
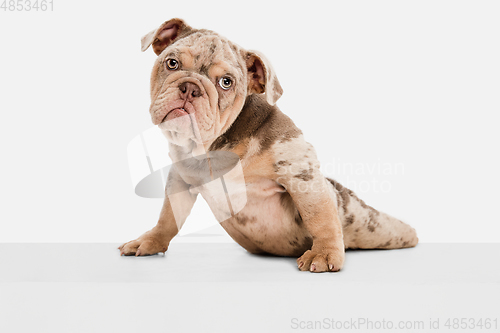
{"points": [[306, 175], [278, 165], [344, 192], [283, 163], [349, 219], [388, 243], [243, 219], [372, 222]]}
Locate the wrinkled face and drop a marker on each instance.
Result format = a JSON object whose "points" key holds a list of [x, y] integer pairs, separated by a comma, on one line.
{"points": [[198, 86]]}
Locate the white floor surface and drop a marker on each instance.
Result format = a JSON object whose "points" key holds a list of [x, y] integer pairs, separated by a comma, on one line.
{"points": [[219, 287]]}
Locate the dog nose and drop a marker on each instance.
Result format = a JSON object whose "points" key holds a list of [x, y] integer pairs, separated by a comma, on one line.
{"points": [[189, 90]]}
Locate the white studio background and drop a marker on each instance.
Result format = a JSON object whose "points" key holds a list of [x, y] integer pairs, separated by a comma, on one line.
{"points": [[399, 98]]}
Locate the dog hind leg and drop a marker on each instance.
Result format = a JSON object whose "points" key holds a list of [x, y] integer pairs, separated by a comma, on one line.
{"points": [[366, 228]]}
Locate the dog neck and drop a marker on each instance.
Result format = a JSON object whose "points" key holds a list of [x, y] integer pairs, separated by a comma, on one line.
{"points": [[178, 153], [254, 114]]}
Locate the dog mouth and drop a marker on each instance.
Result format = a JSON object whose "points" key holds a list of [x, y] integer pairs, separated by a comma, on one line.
{"points": [[172, 110], [175, 113]]}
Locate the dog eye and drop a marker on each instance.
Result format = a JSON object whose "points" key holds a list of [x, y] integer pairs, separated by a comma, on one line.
{"points": [[225, 83], [172, 64]]}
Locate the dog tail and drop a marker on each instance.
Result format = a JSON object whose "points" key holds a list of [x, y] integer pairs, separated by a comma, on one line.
{"points": [[366, 228]]}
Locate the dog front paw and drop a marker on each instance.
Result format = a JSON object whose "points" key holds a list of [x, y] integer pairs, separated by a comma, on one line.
{"points": [[322, 259], [149, 243]]}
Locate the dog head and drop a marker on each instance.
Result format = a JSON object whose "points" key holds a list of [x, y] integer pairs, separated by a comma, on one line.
{"points": [[200, 82]]}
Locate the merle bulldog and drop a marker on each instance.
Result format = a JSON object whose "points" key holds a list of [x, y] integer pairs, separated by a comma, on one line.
{"points": [[210, 95]]}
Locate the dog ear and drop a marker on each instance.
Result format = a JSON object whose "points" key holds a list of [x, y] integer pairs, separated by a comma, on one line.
{"points": [[262, 78], [164, 35]]}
